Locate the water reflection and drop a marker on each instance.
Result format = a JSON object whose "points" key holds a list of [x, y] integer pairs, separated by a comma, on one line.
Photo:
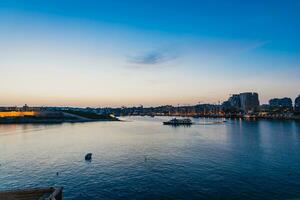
{"points": [[142, 159]]}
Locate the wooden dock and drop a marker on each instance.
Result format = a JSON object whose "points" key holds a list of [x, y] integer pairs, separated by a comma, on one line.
{"points": [[33, 194]]}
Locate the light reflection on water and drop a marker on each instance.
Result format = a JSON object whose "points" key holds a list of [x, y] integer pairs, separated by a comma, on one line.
{"points": [[142, 159]]}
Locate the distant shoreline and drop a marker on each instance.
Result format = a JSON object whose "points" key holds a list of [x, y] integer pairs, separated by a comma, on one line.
{"points": [[295, 118], [23, 121], [57, 118], [80, 119]]}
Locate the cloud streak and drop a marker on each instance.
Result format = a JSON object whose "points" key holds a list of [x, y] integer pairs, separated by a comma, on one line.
{"points": [[153, 57]]}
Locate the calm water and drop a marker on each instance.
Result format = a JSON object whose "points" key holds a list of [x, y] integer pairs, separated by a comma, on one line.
{"points": [[142, 159]]}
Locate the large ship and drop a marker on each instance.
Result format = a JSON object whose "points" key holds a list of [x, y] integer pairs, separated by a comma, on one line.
{"points": [[176, 122]]}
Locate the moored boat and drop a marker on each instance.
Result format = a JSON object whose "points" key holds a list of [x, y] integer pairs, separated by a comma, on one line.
{"points": [[176, 122]]}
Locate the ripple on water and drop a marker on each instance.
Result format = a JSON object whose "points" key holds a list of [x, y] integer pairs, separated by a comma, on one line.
{"points": [[142, 159]]}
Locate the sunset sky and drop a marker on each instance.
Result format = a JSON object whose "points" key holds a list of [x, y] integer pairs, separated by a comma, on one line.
{"points": [[114, 53]]}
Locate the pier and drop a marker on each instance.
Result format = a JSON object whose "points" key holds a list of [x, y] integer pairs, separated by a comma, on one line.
{"points": [[50, 193]]}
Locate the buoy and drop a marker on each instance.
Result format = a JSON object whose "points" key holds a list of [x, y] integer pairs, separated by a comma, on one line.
{"points": [[88, 156]]}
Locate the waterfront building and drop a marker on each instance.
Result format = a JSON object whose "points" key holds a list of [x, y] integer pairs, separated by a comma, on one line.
{"points": [[281, 102], [244, 102], [25, 108], [297, 104], [249, 101], [17, 113], [13, 108], [235, 101], [225, 105]]}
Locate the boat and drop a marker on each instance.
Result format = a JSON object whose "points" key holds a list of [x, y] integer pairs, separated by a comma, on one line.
{"points": [[33, 194], [176, 122]]}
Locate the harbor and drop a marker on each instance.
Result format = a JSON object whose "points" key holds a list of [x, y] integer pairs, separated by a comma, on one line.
{"points": [[142, 158]]}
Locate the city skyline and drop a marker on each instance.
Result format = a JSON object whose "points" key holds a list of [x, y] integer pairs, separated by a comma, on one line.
{"points": [[99, 53], [234, 100]]}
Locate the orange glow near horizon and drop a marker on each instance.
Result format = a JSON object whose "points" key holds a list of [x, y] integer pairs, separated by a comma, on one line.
{"points": [[17, 113]]}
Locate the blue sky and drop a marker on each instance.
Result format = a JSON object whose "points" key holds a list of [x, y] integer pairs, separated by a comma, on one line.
{"points": [[113, 53]]}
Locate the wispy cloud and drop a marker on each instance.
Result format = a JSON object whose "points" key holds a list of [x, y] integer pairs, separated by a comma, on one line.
{"points": [[254, 45], [155, 57]]}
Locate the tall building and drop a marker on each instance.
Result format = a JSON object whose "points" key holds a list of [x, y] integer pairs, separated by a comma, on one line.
{"points": [[25, 108], [297, 104], [244, 101], [283, 102], [249, 101], [235, 101]]}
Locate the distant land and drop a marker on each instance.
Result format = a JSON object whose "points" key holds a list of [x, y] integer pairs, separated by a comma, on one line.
{"points": [[44, 116], [242, 105]]}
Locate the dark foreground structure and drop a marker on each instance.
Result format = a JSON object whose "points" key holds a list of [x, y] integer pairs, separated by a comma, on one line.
{"points": [[33, 194]]}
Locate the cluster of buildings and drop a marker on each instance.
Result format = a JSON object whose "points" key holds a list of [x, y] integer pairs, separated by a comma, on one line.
{"points": [[241, 103], [247, 104], [24, 108], [297, 104], [281, 108], [26, 111], [18, 111], [238, 105]]}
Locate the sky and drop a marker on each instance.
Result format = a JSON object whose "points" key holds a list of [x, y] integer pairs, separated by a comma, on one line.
{"points": [[130, 52]]}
